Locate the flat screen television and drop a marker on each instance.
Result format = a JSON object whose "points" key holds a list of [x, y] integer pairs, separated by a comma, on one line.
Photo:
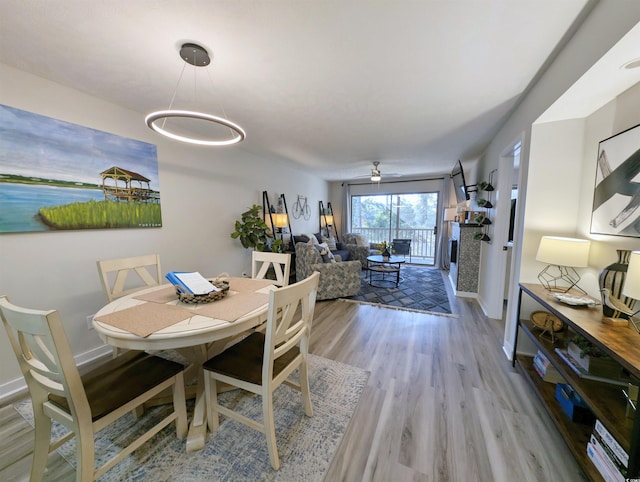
{"points": [[459, 184]]}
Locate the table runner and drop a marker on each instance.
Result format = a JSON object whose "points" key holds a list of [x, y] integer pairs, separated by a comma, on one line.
{"points": [[232, 307], [143, 320], [248, 284], [165, 295]]}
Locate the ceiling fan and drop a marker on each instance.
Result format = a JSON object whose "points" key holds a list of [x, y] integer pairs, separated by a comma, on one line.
{"points": [[375, 176], [375, 172]]}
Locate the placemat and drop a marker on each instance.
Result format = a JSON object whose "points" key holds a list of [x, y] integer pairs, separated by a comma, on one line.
{"points": [[247, 284], [234, 306], [143, 320], [164, 295]]}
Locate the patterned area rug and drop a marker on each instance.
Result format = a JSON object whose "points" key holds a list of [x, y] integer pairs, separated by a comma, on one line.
{"points": [[420, 289], [306, 445]]}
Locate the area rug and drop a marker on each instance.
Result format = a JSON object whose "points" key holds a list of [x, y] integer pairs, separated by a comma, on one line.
{"points": [[420, 289], [306, 445]]}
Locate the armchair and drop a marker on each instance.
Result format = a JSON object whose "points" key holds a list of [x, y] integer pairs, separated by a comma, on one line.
{"points": [[336, 279], [403, 247], [358, 248]]}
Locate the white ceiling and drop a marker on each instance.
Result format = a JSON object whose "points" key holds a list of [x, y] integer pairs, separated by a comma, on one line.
{"points": [[331, 85]]}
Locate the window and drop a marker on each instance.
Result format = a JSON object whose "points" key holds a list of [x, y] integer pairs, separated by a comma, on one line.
{"points": [[384, 217]]}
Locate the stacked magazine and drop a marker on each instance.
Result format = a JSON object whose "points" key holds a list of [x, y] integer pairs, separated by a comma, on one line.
{"points": [[545, 369], [607, 455]]}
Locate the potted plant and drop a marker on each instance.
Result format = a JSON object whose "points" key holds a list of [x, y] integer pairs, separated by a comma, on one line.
{"points": [[592, 359], [386, 248], [251, 229], [254, 233]]}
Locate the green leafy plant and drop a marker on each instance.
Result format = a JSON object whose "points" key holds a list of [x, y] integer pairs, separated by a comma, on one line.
{"points": [[587, 348], [277, 246], [251, 230]]}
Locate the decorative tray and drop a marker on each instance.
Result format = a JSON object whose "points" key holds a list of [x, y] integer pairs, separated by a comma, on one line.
{"points": [[574, 300], [221, 291]]}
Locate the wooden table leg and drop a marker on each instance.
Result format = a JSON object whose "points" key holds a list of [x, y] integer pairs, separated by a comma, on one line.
{"points": [[197, 435]]}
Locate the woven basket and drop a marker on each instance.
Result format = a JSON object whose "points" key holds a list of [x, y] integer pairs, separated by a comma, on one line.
{"points": [[223, 286]]}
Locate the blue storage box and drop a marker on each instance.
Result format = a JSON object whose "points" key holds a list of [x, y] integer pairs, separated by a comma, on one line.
{"points": [[573, 405]]}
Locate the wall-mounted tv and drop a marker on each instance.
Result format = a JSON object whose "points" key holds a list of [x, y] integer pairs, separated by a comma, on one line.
{"points": [[459, 184]]}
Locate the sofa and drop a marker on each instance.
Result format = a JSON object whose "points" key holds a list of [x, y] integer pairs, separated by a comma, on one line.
{"points": [[337, 278], [340, 250]]}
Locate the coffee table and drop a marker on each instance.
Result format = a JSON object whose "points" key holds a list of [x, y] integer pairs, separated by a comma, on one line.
{"points": [[383, 267]]}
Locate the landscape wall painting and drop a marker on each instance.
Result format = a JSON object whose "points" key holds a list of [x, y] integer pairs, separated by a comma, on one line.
{"points": [[55, 176]]}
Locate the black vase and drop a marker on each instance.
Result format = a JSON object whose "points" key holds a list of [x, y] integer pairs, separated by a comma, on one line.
{"points": [[612, 278]]}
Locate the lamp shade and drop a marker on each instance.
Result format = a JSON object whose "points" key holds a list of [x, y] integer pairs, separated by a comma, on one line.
{"points": [[631, 288], [329, 219], [561, 251], [280, 220], [450, 214]]}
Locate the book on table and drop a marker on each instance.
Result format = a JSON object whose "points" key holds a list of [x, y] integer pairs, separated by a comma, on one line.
{"points": [[191, 282], [619, 456], [609, 471], [545, 369]]}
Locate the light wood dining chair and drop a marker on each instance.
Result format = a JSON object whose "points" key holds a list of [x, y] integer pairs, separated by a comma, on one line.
{"points": [[88, 403], [123, 276], [281, 262], [261, 362]]}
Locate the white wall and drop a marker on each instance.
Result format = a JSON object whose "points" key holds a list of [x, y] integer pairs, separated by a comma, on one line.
{"points": [[608, 21], [203, 191]]}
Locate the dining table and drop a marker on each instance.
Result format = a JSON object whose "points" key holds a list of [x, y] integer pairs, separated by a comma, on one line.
{"points": [[157, 319]]}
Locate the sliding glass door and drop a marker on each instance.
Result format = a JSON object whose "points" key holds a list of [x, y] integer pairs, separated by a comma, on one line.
{"points": [[385, 217]]}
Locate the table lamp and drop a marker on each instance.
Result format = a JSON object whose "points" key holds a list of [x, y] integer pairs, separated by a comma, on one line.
{"points": [[329, 219], [631, 287], [280, 220], [562, 256], [450, 214]]}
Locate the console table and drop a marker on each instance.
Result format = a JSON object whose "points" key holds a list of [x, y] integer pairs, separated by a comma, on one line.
{"points": [[606, 401]]}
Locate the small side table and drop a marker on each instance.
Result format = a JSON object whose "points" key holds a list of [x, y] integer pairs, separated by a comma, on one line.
{"points": [[384, 267]]}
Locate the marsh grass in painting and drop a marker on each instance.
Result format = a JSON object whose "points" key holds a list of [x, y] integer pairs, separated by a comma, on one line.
{"points": [[101, 214]]}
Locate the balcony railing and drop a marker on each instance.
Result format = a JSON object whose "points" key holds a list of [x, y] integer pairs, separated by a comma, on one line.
{"points": [[423, 241]]}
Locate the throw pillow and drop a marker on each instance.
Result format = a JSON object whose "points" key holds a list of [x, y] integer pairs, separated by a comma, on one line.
{"points": [[300, 239], [360, 240], [312, 239], [331, 242], [325, 252]]}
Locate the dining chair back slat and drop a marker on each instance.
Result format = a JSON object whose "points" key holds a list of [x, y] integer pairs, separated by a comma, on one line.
{"points": [[84, 404], [279, 262], [123, 276], [261, 362]]}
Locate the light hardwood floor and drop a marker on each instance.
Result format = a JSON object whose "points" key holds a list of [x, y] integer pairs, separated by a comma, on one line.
{"points": [[442, 403]]}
